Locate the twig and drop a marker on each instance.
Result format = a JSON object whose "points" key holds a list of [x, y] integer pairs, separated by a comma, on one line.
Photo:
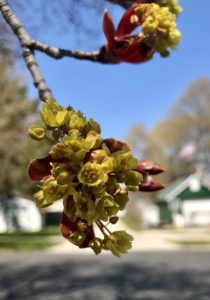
{"points": [[123, 3], [29, 45], [99, 56], [30, 59]]}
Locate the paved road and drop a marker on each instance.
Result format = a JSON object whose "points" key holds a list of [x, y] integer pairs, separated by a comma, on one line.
{"points": [[170, 275]]}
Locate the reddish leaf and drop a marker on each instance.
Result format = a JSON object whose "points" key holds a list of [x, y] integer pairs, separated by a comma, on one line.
{"points": [[68, 228], [39, 168], [115, 145], [121, 44], [148, 166], [125, 26], [108, 28], [151, 185], [134, 53]]}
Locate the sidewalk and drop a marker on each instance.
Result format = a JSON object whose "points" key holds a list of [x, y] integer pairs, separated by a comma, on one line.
{"points": [[145, 240]]}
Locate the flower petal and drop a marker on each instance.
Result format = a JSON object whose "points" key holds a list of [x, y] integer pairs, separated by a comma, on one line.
{"points": [[39, 168]]}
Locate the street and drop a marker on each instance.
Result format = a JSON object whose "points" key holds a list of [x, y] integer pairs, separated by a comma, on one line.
{"points": [[174, 275]]}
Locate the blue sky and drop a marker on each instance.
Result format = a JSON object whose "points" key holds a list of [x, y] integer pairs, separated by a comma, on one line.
{"points": [[119, 96]]}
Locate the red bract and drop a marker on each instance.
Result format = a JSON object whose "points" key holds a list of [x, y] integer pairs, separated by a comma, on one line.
{"points": [[148, 166], [150, 185], [121, 44], [39, 168], [69, 228]]}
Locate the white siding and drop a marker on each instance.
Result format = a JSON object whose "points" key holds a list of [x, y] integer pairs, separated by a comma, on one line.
{"points": [[196, 212], [19, 214]]}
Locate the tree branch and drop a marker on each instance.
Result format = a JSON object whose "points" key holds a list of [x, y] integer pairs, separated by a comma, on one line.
{"points": [[29, 45], [123, 3], [99, 56], [30, 59]]}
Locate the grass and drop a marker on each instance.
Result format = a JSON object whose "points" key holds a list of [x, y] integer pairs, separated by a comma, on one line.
{"points": [[46, 231], [192, 243], [29, 245], [29, 241], [131, 223]]}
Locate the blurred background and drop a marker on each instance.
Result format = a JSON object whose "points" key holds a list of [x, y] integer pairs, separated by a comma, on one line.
{"points": [[161, 108]]}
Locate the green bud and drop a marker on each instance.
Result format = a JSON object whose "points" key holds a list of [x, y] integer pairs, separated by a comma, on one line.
{"points": [[133, 178], [96, 244], [77, 122], [58, 151], [107, 207], [36, 133], [61, 117], [64, 177], [94, 139], [112, 185], [77, 238], [74, 134], [51, 191], [85, 208], [39, 199], [49, 111], [121, 199], [123, 160], [93, 125], [98, 190]]}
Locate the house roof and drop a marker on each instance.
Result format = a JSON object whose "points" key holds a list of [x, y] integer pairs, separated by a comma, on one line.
{"points": [[177, 187]]}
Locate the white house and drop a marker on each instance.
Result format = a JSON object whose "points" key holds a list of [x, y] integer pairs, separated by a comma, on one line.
{"points": [[186, 202], [19, 214]]}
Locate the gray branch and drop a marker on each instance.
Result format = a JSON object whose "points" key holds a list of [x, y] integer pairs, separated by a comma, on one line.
{"points": [[123, 3], [29, 45], [24, 39], [99, 56]]}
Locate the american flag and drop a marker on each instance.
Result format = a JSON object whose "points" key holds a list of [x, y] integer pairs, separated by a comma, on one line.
{"points": [[187, 151]]}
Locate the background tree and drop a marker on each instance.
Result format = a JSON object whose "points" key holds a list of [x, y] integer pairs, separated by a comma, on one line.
{"points": [[15, 148], [181, 143]]}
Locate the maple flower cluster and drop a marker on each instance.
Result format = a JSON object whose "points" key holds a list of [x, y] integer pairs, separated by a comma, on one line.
{"points": [[157, 20], [92, 175]]}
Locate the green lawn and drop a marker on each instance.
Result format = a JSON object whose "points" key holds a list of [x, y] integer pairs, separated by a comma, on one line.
{"points": [[46, 231], [29, 245], [29, 241]]}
